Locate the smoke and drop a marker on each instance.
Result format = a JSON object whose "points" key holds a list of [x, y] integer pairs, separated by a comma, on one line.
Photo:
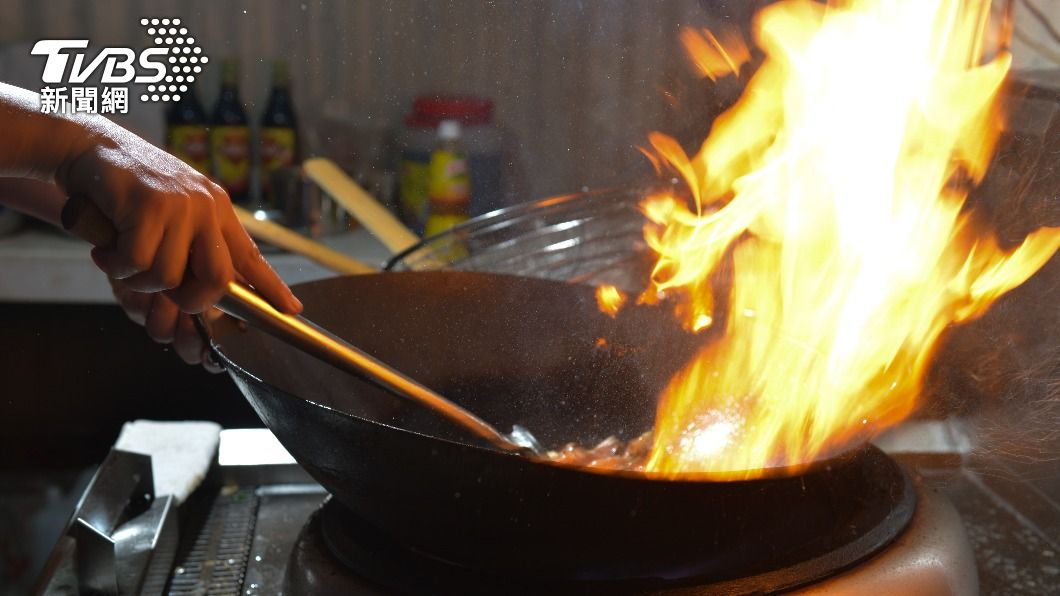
{"points": [[1001, 375], [1022, 424]]}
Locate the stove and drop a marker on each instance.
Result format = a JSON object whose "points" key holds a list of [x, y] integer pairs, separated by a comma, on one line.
{"points": [[259, 524], [931, 556]]}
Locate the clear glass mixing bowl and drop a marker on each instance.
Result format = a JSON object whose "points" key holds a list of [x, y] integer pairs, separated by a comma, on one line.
{"points": [[591, 237]]}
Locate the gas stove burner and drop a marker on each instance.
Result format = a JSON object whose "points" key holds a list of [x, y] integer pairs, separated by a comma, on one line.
{"points": [[760, 535]]}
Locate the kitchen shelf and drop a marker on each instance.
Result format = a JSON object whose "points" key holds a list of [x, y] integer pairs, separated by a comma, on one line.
{"points": [[38, 265]]}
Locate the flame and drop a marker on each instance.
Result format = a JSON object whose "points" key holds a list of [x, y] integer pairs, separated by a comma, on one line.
{"points": [[610, 299], [833, 191], [715, 58]]}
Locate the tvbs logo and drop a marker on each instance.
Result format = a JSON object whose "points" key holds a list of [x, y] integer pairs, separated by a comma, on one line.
{"points": [[167, 67], [119, 64]]}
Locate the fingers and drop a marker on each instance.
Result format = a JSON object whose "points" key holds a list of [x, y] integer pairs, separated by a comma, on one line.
{"points": [[253, 267], [161, 322], [210, 269], [136, 305], [166, 324], [187, 342], [193, 255], [134, 252], [167, 270]]}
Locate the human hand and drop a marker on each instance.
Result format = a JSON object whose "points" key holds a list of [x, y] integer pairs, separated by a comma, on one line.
{"points": [[166, 324], [176, 230]]}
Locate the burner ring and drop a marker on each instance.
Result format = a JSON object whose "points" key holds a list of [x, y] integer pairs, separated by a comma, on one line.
{"points": [[835, 516]]}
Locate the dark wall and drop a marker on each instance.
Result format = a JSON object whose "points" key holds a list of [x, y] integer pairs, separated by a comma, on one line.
{"points": [[70, 375]]}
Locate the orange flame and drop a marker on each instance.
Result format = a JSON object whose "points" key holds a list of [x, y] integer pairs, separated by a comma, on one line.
{"points": [[610, 299], [715, 58], [836, 186]]}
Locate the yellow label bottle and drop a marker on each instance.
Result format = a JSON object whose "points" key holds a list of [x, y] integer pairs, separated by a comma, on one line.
{"points": [[188, 133], [191, 144], [449, 182], [279, 131], [231, 152], [230, 137]]}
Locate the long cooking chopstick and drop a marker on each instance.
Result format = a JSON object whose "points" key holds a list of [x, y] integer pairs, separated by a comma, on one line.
{"points": [[291, 241]]}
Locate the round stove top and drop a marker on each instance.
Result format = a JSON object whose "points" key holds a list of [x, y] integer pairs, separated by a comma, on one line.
{"points": [[338, 552]]}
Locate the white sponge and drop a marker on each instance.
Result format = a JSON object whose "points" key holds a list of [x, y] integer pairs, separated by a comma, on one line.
{"points": [[181, 452]]}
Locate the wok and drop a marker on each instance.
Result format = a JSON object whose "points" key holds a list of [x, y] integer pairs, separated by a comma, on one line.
{"points": [[518, 350]]}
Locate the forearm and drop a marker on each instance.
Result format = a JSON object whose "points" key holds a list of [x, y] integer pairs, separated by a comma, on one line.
{"points": [[37, 145], [42, 200]]}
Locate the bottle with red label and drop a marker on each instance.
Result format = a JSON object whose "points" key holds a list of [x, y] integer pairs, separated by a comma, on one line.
{"points": [[230, 137], [279, 131], [188, 132]]}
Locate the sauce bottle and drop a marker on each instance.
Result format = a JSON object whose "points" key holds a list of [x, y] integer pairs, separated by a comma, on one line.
{"points": [[188, 132], [230, 137], [279, 131]]}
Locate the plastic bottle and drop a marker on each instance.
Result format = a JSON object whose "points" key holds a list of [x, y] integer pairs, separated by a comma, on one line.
{"points": [[449, 182], [482, 139]]}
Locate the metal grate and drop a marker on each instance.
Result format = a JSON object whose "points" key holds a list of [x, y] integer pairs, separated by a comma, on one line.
{"points": [[217, 563]]}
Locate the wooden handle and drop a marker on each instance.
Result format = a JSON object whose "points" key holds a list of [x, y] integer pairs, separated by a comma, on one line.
{"points": [[82, 218], [361, 205], [280, 236]]}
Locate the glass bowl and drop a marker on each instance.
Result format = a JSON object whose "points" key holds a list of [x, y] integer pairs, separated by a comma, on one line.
{"points": [[591, 237]]}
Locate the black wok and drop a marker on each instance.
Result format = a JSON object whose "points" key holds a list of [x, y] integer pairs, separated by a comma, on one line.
{"points": [[520, 350]]}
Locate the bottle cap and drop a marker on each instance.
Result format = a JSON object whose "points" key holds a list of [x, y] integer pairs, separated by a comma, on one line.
{"points": [[449, 130], [429, 110]]}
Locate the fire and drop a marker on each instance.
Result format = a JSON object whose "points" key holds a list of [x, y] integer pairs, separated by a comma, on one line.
{"points": [[833, 192], [715, 58], [610, 299]]}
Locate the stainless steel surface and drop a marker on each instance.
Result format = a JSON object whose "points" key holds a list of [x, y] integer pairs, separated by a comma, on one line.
{"points": [[282, 511], [217, 561], [145, 548], [94, 559], [120, 539]]}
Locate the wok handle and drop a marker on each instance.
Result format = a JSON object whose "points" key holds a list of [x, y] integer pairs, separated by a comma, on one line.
{"points": [[84, 219]]}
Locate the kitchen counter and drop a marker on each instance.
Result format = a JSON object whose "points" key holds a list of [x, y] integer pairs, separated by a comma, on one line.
{"points": [[44, 266]]}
